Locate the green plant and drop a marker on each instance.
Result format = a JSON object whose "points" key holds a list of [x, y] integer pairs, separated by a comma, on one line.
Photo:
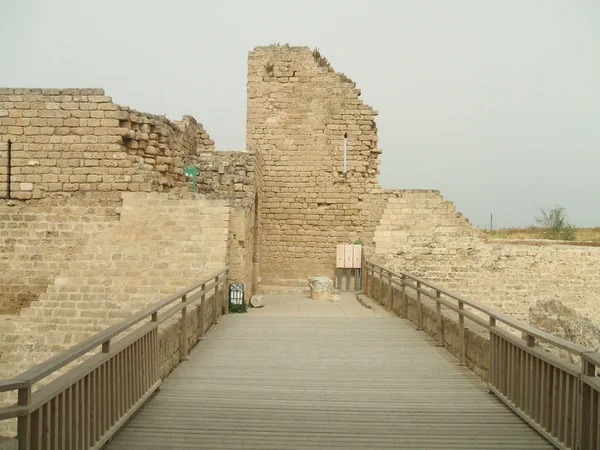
{"points": [[321, 60], [270, 68], [345, 78], [555, 224], [358, 242], [236, 309]]}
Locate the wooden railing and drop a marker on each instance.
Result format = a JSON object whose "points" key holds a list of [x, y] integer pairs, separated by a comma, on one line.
{"points": [[84, 407], [557, 398]]}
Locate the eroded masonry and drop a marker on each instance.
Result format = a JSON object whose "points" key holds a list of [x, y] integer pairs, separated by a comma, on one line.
{"points": [[98, 218]]}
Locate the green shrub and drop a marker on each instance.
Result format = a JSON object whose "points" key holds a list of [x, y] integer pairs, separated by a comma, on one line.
{"points": [[234, 309], [555, 224]]}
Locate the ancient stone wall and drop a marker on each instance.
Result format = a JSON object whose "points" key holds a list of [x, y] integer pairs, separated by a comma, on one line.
{"points": [[38, 238], [70, 140], [299, 112], [162, 243], [226, 175], [241, 249], [230, 175], [203, 141], [421, 233]]}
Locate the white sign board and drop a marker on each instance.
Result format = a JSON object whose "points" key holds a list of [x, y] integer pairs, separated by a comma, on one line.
{"points": [[349, 256]]}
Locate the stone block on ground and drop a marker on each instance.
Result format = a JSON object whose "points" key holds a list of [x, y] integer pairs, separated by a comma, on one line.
{"points": [[257, 301], [321, 288]]}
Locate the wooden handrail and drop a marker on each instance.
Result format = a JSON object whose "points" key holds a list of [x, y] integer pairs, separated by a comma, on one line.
{"points": [[500, 317], [561, 400], [32, 402], [55, 363]]}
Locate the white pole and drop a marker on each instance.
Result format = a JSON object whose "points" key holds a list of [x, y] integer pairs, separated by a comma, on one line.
{"points": [[345, 151]]}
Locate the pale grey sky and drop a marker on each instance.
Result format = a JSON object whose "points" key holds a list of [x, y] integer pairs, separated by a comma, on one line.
{"points": [[495, 103]]}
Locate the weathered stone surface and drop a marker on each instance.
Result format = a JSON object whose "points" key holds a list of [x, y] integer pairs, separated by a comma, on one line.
{"points": [[321, 288], [59, 140], [299, 113], [421, 233], [227, 174], [558, 319], [257, 301]]}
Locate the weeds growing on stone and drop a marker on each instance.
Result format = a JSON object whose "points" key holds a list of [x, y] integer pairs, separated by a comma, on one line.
{"points": [[321, 60], [270, 68]]}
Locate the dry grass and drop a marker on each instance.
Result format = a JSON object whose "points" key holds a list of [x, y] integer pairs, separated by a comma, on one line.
{"points": [[581, 234]]}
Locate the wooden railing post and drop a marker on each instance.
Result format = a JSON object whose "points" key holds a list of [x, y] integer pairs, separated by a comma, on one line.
{"points": [[226, 295], [530, 339], [585, 404], [461, 335], [215, 318], [492, 362], [390, 297], [404, 299], [372, 283], [24, 422], [530, 376], [202, 314], [363, 275], [183, 355], [419, 308], [438, 312]]}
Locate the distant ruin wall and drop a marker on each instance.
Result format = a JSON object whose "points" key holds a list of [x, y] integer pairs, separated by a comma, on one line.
{"points": [[299, 111], [421, 233], [71, 140]]}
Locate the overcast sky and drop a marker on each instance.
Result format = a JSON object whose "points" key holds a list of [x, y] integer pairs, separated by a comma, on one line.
{"points": [[495, 103]]}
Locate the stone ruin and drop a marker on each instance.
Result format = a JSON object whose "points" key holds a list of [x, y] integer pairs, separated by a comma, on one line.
{"points": [[98, 219]]}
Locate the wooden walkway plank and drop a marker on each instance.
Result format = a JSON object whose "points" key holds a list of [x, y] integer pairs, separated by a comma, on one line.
{"points": [[307, 383]]}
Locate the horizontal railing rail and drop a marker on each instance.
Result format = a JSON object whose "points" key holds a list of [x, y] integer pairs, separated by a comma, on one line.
{"points": [[556, 397], [85, 406]]}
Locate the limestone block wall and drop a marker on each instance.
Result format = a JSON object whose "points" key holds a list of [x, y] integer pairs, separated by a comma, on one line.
{"points": [[4, 188], [78, 140], [162, 243], [241, 249], [203, 141], [299, 110], [420, 233], [226, 175], [230, 175], [38, 238]]}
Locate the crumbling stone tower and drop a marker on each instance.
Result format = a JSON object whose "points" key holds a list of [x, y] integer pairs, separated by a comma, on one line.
{"points": [[315, 143]]}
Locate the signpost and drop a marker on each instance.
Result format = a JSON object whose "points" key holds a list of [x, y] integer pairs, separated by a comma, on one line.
{"points": [[348, 258], [191, 172]]}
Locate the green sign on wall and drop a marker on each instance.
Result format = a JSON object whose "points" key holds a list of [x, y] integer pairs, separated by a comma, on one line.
{"points": [[191, 172]]}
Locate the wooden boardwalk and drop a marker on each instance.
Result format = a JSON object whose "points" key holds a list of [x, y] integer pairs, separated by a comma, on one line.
{"points": [[292, 382]]}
